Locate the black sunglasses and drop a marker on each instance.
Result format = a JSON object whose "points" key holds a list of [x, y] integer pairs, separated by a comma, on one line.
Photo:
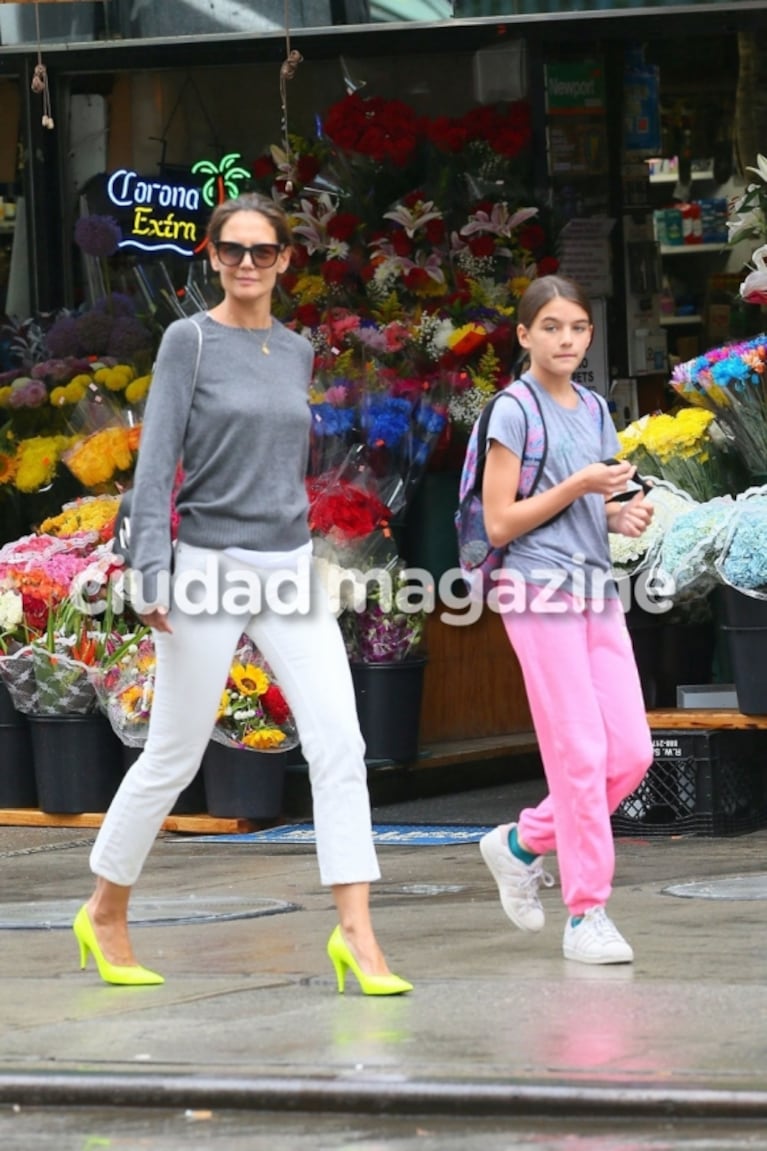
{"points": [[263, 255]]}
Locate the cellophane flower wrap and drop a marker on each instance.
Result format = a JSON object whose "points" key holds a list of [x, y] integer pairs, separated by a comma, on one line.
{"points": [[742, 559], [730, 382], [631, 555], [253, 713], [688, 551], [124, 686], [388, 624], [47, 661]]}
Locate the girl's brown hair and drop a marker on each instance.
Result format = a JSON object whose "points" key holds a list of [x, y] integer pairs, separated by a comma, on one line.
{"points": [[250, 202], [540, 291]]}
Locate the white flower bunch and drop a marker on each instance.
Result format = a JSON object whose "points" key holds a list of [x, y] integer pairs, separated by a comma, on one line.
{"points": [[629, 554], [11, 611]]}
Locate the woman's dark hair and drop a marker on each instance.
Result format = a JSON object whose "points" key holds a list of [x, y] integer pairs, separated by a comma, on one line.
{"points": [[251, 202], [540, 291]]}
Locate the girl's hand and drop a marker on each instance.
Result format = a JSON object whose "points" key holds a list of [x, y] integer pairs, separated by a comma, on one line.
{"points": [[607, 480], [630, 518]]}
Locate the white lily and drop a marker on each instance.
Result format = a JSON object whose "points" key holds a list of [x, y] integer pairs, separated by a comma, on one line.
{"points": [[761, 169], [412, 219], [498, 221], [754, 288]]}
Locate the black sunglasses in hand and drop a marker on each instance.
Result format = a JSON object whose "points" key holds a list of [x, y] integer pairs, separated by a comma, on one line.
{"points": [[636, 484], [232, 254]]}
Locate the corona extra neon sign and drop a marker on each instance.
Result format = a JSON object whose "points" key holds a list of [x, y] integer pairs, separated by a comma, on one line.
{"points": [[162, 216]]}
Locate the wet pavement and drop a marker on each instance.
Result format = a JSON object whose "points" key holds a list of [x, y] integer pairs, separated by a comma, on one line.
{"points": [[500, 1032]]}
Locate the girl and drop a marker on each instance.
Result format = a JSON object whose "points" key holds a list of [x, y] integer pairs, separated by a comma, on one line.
{"points": [[230, 399], [573, 646]]}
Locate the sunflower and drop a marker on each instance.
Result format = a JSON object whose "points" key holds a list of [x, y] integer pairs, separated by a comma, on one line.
{"points": [[264, 738], [249, 679]]}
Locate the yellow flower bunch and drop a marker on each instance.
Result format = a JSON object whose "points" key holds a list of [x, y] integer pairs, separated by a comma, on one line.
{"points": [[70, 393], [90, 514], [137, 389], [685, 434], [678, 448], [95, 459], [115, 379], [37, 459], [309, 289]]}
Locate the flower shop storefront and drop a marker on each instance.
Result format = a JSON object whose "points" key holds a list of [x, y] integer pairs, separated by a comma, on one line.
{"points": [[418, 222]]}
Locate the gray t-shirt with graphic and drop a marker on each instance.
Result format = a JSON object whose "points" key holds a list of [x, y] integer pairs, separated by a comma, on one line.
{"points": [[577, 539]]}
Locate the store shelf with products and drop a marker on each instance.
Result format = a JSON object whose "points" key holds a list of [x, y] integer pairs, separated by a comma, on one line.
{"points": [[679, 321], [692, 249], [673, 177]]}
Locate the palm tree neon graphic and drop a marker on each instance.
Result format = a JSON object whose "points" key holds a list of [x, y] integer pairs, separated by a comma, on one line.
{"points": [[222, 183]]}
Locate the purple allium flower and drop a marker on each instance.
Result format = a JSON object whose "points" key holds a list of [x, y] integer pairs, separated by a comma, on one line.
{"points": [[98, 235], [117, 304], [93, 332], [62, 338], [128, 337]]}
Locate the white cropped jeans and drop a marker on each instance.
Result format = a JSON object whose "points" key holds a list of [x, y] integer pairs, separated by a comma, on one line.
{"points": [[307, 655]]}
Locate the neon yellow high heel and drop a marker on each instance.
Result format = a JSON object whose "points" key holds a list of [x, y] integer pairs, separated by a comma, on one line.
{"points": [[133, 976], [342, 959]]}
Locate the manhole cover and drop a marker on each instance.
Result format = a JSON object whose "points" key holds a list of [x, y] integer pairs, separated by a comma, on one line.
{"points": [[48, 914], [731, 887]]}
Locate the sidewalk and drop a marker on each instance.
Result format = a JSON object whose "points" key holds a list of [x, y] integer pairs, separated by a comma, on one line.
{"points": [[499, 1022]]}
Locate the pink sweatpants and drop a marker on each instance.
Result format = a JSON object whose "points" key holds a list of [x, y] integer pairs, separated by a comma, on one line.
{"points": [[586, 702]]}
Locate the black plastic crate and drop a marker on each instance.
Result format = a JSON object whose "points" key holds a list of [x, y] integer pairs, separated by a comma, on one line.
{"points": [[700, 783]]}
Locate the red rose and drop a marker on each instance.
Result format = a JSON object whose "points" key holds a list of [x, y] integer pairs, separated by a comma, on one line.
{"points": [[263, 168], [417, 279], [547, 266], [299, 256], [334, 271], [401, 242], [307, 168], [343, 225], [435, 231], [532, 237], [275, 704], [481, 245], [308, 315]]}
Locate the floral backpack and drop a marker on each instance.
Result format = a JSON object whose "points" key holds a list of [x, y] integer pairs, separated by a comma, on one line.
{"points": [[477, 557]]}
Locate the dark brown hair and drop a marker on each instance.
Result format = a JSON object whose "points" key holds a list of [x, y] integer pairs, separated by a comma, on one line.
{"points": [[540, 291], [251, 202]]}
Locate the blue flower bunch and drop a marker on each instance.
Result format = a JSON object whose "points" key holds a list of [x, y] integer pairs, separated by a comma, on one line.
{"points": [[386, 421], [743, 563]]}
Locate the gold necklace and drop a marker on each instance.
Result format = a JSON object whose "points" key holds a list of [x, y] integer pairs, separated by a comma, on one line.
{"points": [[265, 343]]}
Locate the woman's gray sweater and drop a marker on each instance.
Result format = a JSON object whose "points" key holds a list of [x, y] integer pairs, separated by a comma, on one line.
{"points": [[241, 434]]}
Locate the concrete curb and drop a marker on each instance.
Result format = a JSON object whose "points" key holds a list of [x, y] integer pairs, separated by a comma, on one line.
{"points": [[377, 1096]]}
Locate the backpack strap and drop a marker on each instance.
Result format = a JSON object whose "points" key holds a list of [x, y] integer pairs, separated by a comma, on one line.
{"points": [[478, 444]]}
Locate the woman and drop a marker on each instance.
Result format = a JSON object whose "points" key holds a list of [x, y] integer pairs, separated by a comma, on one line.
{"points": [[229, 399], [567, 628]]}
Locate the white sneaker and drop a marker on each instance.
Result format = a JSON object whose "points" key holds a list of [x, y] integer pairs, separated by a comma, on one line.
{"points": [[518, 882], [596, 939]]}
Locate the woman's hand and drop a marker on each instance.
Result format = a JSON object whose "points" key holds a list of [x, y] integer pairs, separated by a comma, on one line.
{"points": [[157, 619], [606, 480], [630, 518]]}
